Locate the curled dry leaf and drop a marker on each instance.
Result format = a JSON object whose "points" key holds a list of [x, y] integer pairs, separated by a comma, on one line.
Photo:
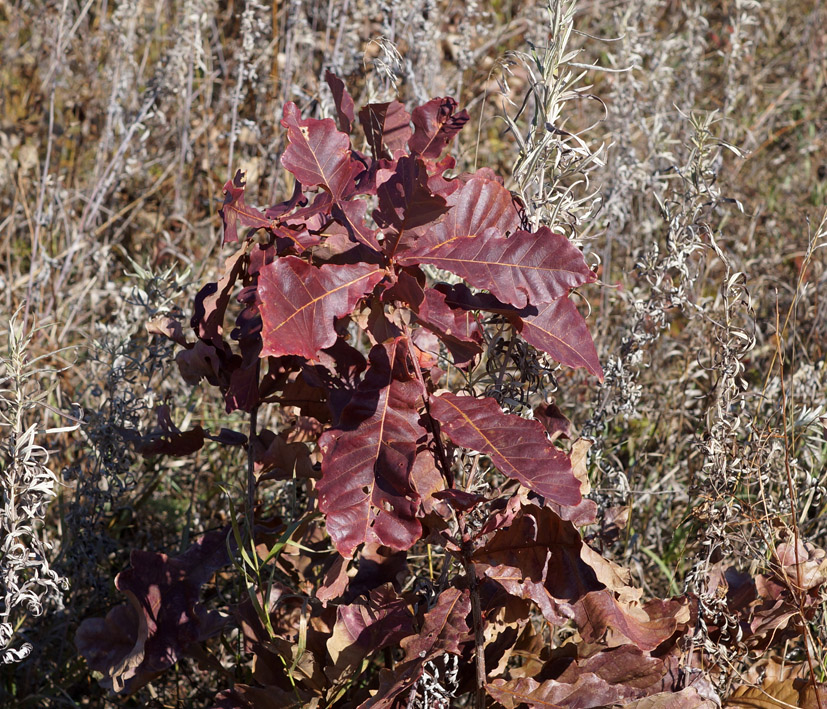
{"points": [[587, 691], [685, 699], [366, 627], [541, 558], [444, 630], [166, 616], [777, 694], [802, 564]]}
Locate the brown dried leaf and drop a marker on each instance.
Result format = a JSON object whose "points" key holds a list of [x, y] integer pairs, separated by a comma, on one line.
{"points": [[685, 699], [586, 692], [777, 694]]}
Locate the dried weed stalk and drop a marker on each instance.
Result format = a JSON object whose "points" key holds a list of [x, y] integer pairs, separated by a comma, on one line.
{"points": [[553, 165], [28, 583]]}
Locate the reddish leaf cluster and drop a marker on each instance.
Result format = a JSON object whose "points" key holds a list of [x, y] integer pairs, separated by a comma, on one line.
{"points": [[325, 260], [348, 260]]}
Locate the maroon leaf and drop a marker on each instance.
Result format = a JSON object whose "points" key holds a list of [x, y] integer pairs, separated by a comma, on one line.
{"points": [[297, 199], [166, 617], [299, 303], [337, 375], [318, 154], [280, 460], [112, 647], [448, 322], [351, 215], [378, 565], [444, 630], [235, 211], [627, 665], [460, 499], [480, 208], [365, 627], [458, 329], [519, 448], [543, 558], [521, 269], [342, 100], [365, 491], [406, 203], [435, 125], [685, 699], [243, 390], [385, 123], [168, 439], [538, 557], [646, 626], [212, 300], [553, 420], [461, 296], [559, 329], [200, 361]]}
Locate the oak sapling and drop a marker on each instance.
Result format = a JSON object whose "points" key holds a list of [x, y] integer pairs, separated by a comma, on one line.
{"points": [[340, 322]]}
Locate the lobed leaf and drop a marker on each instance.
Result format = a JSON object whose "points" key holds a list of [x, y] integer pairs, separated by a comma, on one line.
{"points": [[351, 215], [480, 207], [342, 100], [366, 626], [212, 300], [366, 492], [587, 691], [165, 617], [385, 125], [444, 630], [559, 329], [236, 211], [542, 558], [318, 154], [456, 328], [406, 204]]}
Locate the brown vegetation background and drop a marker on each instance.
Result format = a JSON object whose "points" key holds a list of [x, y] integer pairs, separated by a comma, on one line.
{"points": [[121, 121]]}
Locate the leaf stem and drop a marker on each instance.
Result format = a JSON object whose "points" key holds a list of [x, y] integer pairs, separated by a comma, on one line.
{"points": [[251, 475]]}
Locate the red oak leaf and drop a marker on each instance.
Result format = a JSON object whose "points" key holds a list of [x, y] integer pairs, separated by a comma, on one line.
{"points": [[235, 211], [435, 125], [365, 491], [520, 269], [318, 154], [299, 303], [560, 330], [518, 447], [481, 208], [342, 100], [385, 125]]}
